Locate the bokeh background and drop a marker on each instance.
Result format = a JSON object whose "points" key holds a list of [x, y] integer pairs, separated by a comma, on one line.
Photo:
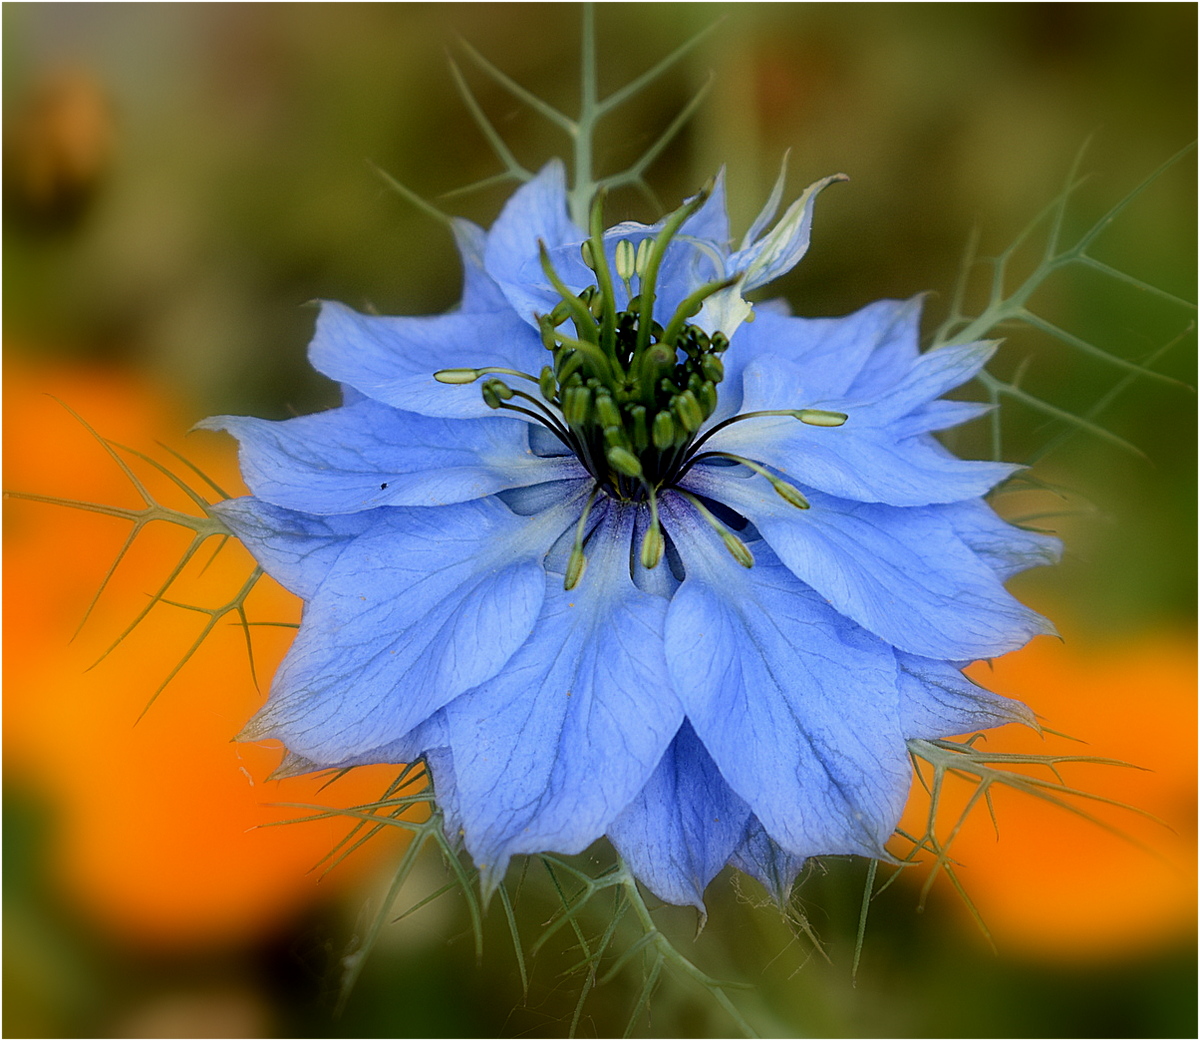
{"points": [[180, 179]]}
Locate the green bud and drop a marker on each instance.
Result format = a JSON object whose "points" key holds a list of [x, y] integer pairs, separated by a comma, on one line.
{"points": [[641, 433], [707, 396], [456, 375], [687, 410], [606, 410], [585, 248], [712, 367], [490, 397], [547, 384], [719, 342], [576, 404], [816, 417], [624, 461], [663, 431], [615, 437]]}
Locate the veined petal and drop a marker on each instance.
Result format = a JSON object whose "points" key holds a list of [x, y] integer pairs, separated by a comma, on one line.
{"points": [[939, 415], [393, 359], [683, 826], [902, 574], [937, 700], [536, 211], [295, 549], [774, 381], [481, 294], [857, 356], [551, 750], [423, 605], [763, 858], [781, 248], [368, 455], [861, 462], [1007, 549], [796, 705]]}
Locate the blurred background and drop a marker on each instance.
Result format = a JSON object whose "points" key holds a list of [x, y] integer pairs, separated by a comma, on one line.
{"points": [[179, 180]]}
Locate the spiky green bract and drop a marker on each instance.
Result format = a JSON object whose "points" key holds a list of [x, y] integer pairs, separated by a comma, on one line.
{"points": [[1007, 304]]}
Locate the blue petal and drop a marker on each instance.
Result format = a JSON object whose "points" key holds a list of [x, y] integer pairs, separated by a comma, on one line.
{"points": [[684, 825], [537, 210], [1007, 549], [797, 707], [903, 574], [863, 465], [480, 294], [368, 455], [762, 857], [834, 351], [939, 415], [296, 549], [937, 700], [423, 605], [548, 752], [393, 359], [780, 249]]}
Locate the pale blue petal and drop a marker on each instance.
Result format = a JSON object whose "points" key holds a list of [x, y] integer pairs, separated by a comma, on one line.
{"points": [[481, 294], [537, 210], [368, 455], [796, 705], [902, 574], [939, 415], [1007, 549], [684, 825], [763, 858], [548, 752], [833, 351], [780, 249], [859, 461], [393, 359], [937, 700], [422, 606], [295, 549], [710, 222]]}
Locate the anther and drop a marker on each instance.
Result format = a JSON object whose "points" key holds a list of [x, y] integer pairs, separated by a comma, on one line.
{"points": [[652, 547], [576, 562], [456, 375], [736, 547], [624, 258], [623, 461], [816, 417]]}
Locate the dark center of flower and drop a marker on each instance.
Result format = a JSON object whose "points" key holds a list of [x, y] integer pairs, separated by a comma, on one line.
{"points": [[626, 395]]}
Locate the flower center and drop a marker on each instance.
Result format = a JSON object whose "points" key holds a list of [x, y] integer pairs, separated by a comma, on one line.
{"points": [[626, 395]]}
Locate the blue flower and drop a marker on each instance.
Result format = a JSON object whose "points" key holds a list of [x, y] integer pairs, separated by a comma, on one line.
{"points": [[641, 559]]}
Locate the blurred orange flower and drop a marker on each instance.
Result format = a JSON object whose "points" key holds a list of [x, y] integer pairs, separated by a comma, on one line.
{"points": [[1050, 883], [155, 818]]}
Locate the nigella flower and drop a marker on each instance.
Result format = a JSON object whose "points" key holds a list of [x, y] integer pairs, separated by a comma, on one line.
{"points": [[620, 554]]}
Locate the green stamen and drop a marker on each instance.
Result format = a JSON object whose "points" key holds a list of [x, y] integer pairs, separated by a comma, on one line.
{"points": [[737, 548]]}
